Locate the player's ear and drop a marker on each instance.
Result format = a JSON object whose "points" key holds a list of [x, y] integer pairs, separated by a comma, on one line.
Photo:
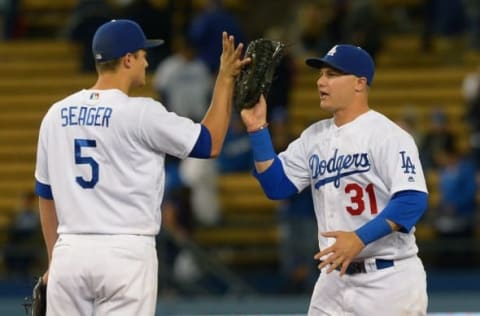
{"points": [[127, 60], [361, 84]]}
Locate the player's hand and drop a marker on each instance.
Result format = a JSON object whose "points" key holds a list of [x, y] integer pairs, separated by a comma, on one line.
{"points": [[346, 247], [231, 61], [255, 116]]}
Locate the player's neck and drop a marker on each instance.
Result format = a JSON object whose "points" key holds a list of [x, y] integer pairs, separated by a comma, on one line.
{"points": [[345, 116], [109, 81]]}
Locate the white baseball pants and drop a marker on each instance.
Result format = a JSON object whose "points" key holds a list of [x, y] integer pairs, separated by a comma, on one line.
{"points": [[103, 275]]}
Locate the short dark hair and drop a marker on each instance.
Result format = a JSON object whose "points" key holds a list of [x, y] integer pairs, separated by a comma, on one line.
{"points": [[107, 66], [110, 65]]}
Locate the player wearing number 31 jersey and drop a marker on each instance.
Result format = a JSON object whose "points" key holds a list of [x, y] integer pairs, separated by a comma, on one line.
{"points": [[368, 190], [100, 176]]}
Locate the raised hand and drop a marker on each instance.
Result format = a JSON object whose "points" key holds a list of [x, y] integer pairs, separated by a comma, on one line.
{"points": [[231, 61]]}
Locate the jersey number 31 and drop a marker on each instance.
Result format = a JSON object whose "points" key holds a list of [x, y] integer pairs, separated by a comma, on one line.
{"points": [[357, 198]]}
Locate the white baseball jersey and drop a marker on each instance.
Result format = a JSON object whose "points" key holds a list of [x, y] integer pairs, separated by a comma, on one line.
{"points": [[102, 152], [353, 171]]}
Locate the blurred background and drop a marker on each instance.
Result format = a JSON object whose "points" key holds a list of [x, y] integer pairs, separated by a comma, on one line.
{"points": [[224, 247]]}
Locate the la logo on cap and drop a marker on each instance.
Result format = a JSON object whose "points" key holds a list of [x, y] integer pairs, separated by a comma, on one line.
{"points": [[332, 51]]}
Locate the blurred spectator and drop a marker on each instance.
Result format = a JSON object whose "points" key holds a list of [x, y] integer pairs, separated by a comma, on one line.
{"points": [[201, 176], [279, 102], [297, 226], [360, 24], [409, 122], [236, 154], [185, 85], [344, 21], [437, 138], [9, 19], [449, 17], [456, 210], [23, 238], [184, 82], [178, 226], [472, 15], [278, 97], [207, 27], [443, 19], [86, 17], [312, 34], [458, 187], [471, 96], [4, 10], [428, 18], [155, 20]]}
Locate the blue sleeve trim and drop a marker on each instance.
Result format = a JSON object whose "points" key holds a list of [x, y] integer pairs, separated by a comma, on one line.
{"points": [[43, 190], [203, 146], [406, 208], [274, 182]]}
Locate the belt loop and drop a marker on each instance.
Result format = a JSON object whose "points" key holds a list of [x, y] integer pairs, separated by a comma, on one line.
{"points": [[370, 265]]}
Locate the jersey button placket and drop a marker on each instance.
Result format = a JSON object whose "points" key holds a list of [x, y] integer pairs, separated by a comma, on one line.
{"points": [[332, 190], [328, 196]]}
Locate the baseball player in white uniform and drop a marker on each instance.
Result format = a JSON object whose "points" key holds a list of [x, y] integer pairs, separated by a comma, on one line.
{"points": [[368, 190], [100, 176]]}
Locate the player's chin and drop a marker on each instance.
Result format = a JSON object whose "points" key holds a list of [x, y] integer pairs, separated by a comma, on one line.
{"points": [[326, 106]]}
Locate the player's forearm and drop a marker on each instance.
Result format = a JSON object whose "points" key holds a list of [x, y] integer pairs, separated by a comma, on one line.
{"points": [[262, 166], [394, 226], [218, 115], [48, 219], [406, 208], [274, 182], [401, 213]]}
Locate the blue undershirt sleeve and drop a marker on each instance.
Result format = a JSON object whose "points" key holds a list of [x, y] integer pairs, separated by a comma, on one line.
{"points": [[405, 209], [274, 182], [203, 146]]}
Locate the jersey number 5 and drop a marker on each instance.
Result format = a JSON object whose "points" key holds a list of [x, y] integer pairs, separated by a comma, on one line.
{"points": [[86, 160], [357, 198]]}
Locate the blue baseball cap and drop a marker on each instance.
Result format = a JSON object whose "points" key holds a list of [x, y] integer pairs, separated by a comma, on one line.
{"points": [[348, 59], [116, 38]]}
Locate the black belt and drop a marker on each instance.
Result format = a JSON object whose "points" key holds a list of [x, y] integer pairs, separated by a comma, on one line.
{"points": [[359, 266]]}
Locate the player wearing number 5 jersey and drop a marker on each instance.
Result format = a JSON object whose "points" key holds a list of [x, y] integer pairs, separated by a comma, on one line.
{"points": [[100, 176], [368, 190]]}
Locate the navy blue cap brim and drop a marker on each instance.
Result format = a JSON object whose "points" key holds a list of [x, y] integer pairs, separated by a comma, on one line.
{"points": [[154, 43], [320, 62]]}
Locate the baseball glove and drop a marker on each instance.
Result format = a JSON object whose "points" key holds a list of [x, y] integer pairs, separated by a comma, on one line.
{"points": [[256, 78], [37, 304]]}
